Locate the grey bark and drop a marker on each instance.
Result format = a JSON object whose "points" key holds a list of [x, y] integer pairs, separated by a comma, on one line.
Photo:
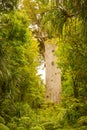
{"points": [[53, 75]]}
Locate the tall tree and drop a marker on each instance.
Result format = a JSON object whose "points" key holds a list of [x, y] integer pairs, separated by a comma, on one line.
{"points": [[66, 19], [37, 17]]}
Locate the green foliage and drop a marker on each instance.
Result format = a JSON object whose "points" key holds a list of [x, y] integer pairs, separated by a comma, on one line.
{"points": [[36, 128], [3, 127], [57, 13], [24, 121], [49, 125], [2, 120], [74, 71], [8, 5], [20, 86], [21, 128], [26, 110], [82, 121], [53, 22], [22, 105], [82, 128], [12, 125], [8, 108], [21, 56]]}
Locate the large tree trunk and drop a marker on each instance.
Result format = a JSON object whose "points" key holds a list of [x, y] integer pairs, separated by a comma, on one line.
{"points": [[53, 75]]}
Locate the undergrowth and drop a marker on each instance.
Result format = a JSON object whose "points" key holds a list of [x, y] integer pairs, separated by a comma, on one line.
{"points": [[48, 116]]}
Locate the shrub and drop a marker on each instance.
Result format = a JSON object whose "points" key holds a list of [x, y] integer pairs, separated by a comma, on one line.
{"points": [[83, 128], [82, 121], [21, 128], [36, 128], [3, 127], [61, 118], [49, 125], [2, 120], [24, 121], [12, 125]]}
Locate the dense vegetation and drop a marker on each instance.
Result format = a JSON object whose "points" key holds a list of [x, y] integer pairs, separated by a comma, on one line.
{"points": [[22, 102]]}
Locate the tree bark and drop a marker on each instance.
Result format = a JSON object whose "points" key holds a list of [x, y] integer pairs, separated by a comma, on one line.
{"points": [[53, 75]]}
